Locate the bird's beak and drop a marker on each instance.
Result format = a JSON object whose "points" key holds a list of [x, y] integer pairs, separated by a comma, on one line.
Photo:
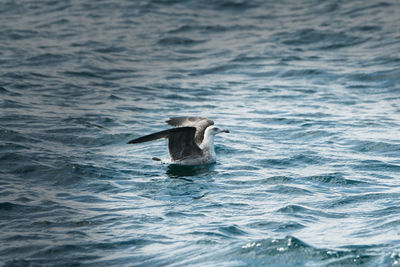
{"points": [[225, 131]]}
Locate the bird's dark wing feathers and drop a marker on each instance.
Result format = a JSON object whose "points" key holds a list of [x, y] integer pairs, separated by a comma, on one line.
{"points": [[151, 137], [181, 143], [201, 123]]}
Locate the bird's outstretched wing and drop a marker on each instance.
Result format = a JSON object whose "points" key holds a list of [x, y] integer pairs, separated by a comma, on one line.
{"points": [[181, 142], [200, 123]]}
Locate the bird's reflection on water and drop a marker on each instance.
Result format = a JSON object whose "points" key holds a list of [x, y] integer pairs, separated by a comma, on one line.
{"points": [[182, 172]]}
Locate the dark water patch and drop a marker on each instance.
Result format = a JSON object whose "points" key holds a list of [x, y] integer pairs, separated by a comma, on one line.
{"points": [[16, 137], [26, 237], [378, 148], [275, 226], [35, 211], [270, 180], [294, 161], [333, 179], [59, 172], [279, 119], [229, 5], [102, 187], [47, 59], [317, 115], [114, 97], [244, 58], [381, 80], [289, 190], [388, 225], [18, 34], [278, 163], [187, 28], [110, 49], [303, 212], [304, 73], [61, 255], [179, 41], [89, 199], [291, 251], [220, 69], [380, 213], [367, 28], [66, 130], [3, 90], [52, 225], [232, 230], [71, 138], [358, 11], [183, 214], [277, 180], [311, 134], [377, 165], [10, 104], [320, 39], [292, 209], [28, 76], [210, 234], [8, 206], [95, 121], [288, 227], [83, 74], [362, 198]]}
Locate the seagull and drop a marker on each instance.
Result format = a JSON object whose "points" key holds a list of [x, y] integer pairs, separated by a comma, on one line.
{"points": [[191, 142]]}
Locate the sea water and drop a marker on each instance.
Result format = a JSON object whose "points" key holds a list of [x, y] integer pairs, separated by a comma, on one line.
{"points": [[309, 174]]}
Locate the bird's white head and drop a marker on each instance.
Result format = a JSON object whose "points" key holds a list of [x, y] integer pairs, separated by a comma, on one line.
{"points": [[213, 130], [208, 141]]}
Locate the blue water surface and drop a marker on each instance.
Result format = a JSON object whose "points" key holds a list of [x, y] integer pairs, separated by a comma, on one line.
{"points": [[308, 176]]}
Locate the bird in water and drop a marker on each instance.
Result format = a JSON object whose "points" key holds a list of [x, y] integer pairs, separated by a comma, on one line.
{"points": [[191, 142]]}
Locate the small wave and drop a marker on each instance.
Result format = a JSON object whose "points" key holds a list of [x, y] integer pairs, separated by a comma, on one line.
{"points": [[47, 59], [82, 74], [270, 180], [232, 230], [292, 252], [8, 206], [300, 211], [10, 104], [209, 29], [358, 11], [360, 198], [289, 190], [333, 178], [319, 39], [180, 214], [220, 69], [18, 34], [296, 160], [172, 41], [235, 5], [377, 165], [379, 148], [15, 136]]}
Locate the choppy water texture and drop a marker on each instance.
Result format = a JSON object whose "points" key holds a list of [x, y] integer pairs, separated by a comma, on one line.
{"points": [[308, 176]]}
